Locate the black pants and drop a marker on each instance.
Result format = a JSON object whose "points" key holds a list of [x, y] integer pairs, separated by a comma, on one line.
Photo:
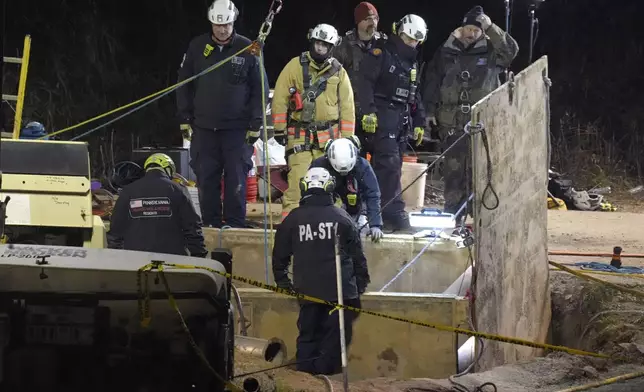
{"points": [[318, 343], [215, 153]]}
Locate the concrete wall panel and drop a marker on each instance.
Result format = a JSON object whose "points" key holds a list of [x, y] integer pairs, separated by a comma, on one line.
{"points": [[511, 284], [439, 266], [380, 347]]}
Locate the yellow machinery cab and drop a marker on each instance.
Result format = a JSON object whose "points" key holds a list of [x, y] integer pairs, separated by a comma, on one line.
{"points": [[49, 186]]}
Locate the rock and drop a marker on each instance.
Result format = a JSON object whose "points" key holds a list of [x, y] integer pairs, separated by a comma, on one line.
{"points": [[590, 372]]}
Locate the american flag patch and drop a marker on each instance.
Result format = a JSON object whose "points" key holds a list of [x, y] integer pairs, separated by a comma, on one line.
{"points": [[136, 203]]}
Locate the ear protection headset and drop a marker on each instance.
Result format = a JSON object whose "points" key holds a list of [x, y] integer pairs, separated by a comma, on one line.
{"points": [[328, 187], [395, 26]]}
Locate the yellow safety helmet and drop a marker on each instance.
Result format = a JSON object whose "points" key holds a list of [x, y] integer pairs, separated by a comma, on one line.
{"points": [[160, 161]]}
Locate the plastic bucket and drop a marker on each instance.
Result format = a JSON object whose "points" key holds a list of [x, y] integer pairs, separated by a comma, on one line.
{"points": [[251, 189], [410, 158], [414, 197]]}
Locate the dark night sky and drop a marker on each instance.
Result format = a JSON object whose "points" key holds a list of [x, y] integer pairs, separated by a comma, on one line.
{"points": [[90, 56]]}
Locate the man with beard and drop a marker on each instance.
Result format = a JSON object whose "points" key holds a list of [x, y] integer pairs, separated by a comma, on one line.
{"points": [[356, 43], [464, 70], [222, 112], [389, 98], [312, 104]]}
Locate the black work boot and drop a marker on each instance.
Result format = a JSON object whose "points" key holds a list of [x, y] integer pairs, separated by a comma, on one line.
{"points": [[398, 226]]}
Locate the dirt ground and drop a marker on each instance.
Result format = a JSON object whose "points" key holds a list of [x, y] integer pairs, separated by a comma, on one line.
{"points": [[586, 315]]}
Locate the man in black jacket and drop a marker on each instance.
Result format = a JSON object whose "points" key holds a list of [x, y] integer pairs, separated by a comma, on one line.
{"points": [[155, 214], [222, 112], [308, 234], [392, 106]]}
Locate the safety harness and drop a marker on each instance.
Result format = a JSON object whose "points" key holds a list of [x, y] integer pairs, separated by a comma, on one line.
{"points": [[311, 92]]}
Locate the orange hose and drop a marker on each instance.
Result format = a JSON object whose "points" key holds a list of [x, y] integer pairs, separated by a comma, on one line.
{"points": [[592, 254]]}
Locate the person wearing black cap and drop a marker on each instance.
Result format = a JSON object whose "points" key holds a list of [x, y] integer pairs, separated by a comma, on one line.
{"points": [[355, 44], [464, 70]]}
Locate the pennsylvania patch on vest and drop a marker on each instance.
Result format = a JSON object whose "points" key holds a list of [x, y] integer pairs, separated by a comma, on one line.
{"points": [[482, 61], [151, 207]]}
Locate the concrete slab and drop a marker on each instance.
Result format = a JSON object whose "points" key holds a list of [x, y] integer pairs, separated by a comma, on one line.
{"points": [[380, 347], [433, 272], [511, 278]]}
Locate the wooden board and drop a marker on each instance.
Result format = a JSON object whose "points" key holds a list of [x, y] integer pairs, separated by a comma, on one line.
{"points": [[511, 283]]}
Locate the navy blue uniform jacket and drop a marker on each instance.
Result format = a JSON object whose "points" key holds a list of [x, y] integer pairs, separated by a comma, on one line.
{"points": [[368, 189], [155, 214], [229, 97]]}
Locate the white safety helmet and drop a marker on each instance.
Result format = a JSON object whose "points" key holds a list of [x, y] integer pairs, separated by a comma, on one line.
{"points": [[222, 12], [317, 177], [342, 155], [413, 26], [325, 33]]}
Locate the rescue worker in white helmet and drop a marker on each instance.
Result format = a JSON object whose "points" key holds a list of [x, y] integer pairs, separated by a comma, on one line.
{"points": [[390, 99], [221, 111], [312, 103], [355, 182], [156, 214], [308, 235]]}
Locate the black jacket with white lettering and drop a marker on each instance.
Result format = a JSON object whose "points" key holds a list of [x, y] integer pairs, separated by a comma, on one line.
{"points": [[307, 234], [155, 214]]}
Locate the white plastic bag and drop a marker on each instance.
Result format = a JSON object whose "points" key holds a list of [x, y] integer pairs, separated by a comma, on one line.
{"points": [[276, 153]]}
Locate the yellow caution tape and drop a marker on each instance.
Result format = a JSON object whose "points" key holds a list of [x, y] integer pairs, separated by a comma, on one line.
{"points": [[504, 339], [582, 275], [607, 381], [144, 311]]}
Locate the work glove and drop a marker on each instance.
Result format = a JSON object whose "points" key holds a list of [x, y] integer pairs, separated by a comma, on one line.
{"points": [[361, 285], [419, 132], [485, 21], [369, 123], [280, 137], [375, 233], [252, 136], [186, 131]]}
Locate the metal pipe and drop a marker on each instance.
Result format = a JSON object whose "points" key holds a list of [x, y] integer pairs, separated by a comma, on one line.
{"points": [[272, 350], [251, 385], [466, 354], [593, 254], [343, 343]]}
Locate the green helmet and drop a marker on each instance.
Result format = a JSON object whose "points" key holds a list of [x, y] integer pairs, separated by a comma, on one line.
{"points": [[160, 161]]}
